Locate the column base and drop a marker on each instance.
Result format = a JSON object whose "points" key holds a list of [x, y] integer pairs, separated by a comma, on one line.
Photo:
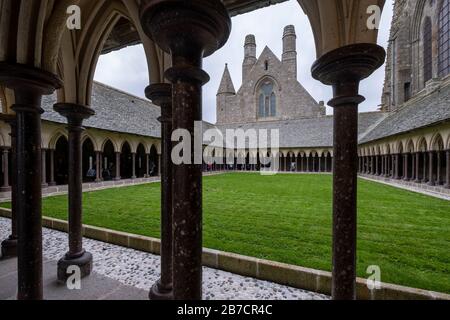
{"points": [[5, 189], [133, 178], [9, 248], [84, 262], [52, 184], [117, 179], [159, 292]]}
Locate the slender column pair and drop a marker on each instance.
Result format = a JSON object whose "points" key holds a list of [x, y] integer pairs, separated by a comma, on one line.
{"points": [[9, 245], [5, 168], [52, 181], [76, 256], [344, 68], [161, 95], [431, 177], [44, 168], [98, 166], [417, 168], [447, 166], [117, 177], [29, 85], [189, 30]]}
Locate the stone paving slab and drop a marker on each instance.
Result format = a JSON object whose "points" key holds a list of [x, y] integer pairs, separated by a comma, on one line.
{"points": [[122, 273], [95, 287]]}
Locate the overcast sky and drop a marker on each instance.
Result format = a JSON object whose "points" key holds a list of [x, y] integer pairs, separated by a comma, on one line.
{"points": [[125, 69]]}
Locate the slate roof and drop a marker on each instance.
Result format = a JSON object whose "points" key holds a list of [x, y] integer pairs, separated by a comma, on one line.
{"points": [[121, 112], [115, 111], [307, 133], [420, 112]]}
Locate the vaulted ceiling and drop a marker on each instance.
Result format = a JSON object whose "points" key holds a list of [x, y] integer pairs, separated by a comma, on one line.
{"points": [[124, 33]]}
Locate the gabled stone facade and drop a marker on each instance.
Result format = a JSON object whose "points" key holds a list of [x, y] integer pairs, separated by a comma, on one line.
{"points": [[292, 101]]}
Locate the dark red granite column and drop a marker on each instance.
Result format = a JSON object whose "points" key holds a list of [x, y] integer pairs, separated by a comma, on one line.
{"points": [[447, 167], [133, 165], [76, 256], [52, 168], [29, 85], [438, 168], [98, 166], [161, 95], [417, 167], [405, 167], [344, 68], [189, 30], [431, 180], [44, 168], [117, 177], [9, 245], [424, 178], [5, 168]]}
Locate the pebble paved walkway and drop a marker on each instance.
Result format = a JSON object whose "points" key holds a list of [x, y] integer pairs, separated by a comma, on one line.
{"points": [[140, 270]]}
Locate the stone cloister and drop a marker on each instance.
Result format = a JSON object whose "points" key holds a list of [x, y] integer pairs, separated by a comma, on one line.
{"points": [[40, 55], [112, 156], [422, 157]]}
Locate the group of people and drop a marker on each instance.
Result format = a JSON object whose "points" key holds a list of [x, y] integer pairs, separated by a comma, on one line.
{"points": [[108, 173]]}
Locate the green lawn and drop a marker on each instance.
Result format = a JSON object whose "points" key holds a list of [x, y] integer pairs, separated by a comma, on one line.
{"points": [[287, 218]]}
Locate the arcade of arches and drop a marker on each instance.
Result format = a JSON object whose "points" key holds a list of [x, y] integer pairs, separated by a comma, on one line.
{"points": [[41, 56]]}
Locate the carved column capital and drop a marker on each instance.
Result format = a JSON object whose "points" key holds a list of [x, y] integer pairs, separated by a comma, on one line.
{"points": [[75, 114], [345, 67]]}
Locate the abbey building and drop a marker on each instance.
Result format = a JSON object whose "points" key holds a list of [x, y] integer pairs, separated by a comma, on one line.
{"points": [[270, 90]]}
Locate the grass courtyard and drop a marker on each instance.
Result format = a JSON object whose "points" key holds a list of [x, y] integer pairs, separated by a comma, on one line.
{"points": [[287, 218]]}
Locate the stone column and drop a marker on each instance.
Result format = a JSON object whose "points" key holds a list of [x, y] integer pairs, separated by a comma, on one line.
{"points": [[161, 95], [189, 30], [98, 166], [52, 181], [5, 166], [118, 177], [133, 165], [9, 245], [431, 180], [447, 166], [29, 85], [438, 169], [424, 178], [44, 168], [76, 256], [405, 167], [159, 165], [344, 68], [147, 165], [377, 168], [417, 167]]}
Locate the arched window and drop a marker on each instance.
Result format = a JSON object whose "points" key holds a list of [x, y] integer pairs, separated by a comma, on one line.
{"points": [[427, 50], [267, 100], [444, 42]]}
